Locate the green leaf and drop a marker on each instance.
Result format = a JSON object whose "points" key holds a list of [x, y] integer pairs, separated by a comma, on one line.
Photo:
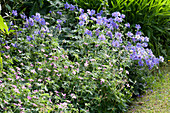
{"points": [[45, 94], [8, 7], [3, 26], [41, 3], [1, 65]]}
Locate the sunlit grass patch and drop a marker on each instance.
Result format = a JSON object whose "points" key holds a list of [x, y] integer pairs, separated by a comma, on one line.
{"points": [[156, 100]]}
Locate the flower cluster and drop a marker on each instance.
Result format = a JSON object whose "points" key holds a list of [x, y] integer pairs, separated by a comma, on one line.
{"points": [[137, 43]]}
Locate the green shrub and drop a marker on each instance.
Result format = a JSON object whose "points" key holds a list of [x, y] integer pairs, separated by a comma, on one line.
{"points": [[93, 73]]}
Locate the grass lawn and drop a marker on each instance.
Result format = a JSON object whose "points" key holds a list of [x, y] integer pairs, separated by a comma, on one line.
{"points": [[156, 100]]}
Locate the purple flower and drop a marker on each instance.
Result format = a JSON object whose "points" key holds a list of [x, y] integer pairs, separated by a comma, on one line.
{"points": [[138, 33], [83, 16], [129, 44], [31, 22], [60, 13], [72, 7], [26, 23], [67, 5], [42, 21], [110, 20], [92, 18], [92, 12], [140, 62], [118, 35], [127, 25], [59, 21], [97, 32], [81, 10], [99, 20], [89, 12], [33, 37], [109, 26], [29, 97], [142, 39], [81, 23], [129, 34], [138, 44], [161, 58], [50, 12], [137, 37], [115, 25], [42, 35], [14, 45], [58, 26], [137, 26], [149, 51], [104, 20], [145, 44], [99, 14], [37, 17], [134, 39], [155, 61], [102, 37], [88, 32], [109, 33], [116, 14], [120, 40], [146, 39], [148, 61], [23, 16], [14, 12], [29, 38], [115, 43], [150, 65], [122, 16], [117, 19]]}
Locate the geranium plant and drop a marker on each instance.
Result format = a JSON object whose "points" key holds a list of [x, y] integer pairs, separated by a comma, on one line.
{"points": [[85, 66]]}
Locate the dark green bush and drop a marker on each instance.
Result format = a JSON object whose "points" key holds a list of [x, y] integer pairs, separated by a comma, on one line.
{"points": [[30, 7]]}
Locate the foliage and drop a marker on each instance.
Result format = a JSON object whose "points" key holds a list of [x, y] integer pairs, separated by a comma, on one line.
{"points": [[152, 15], [4, 28], [30, 7], [72, 62], [88, 4]]}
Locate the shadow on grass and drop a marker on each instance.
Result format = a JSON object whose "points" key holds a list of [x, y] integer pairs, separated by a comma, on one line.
{"points": [[156, 99]]}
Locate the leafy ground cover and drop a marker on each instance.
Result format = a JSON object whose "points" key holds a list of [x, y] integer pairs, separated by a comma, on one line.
{"points": [[156, 100], [72, 60]]}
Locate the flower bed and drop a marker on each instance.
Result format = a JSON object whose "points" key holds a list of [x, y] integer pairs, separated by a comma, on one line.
{"points": [[89, 63]]}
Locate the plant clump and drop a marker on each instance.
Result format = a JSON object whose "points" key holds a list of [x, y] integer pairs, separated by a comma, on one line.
{"points": [[51, 65]]}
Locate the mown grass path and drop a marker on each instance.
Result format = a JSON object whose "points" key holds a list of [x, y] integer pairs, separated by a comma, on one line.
{"points": [[156, 100]]}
